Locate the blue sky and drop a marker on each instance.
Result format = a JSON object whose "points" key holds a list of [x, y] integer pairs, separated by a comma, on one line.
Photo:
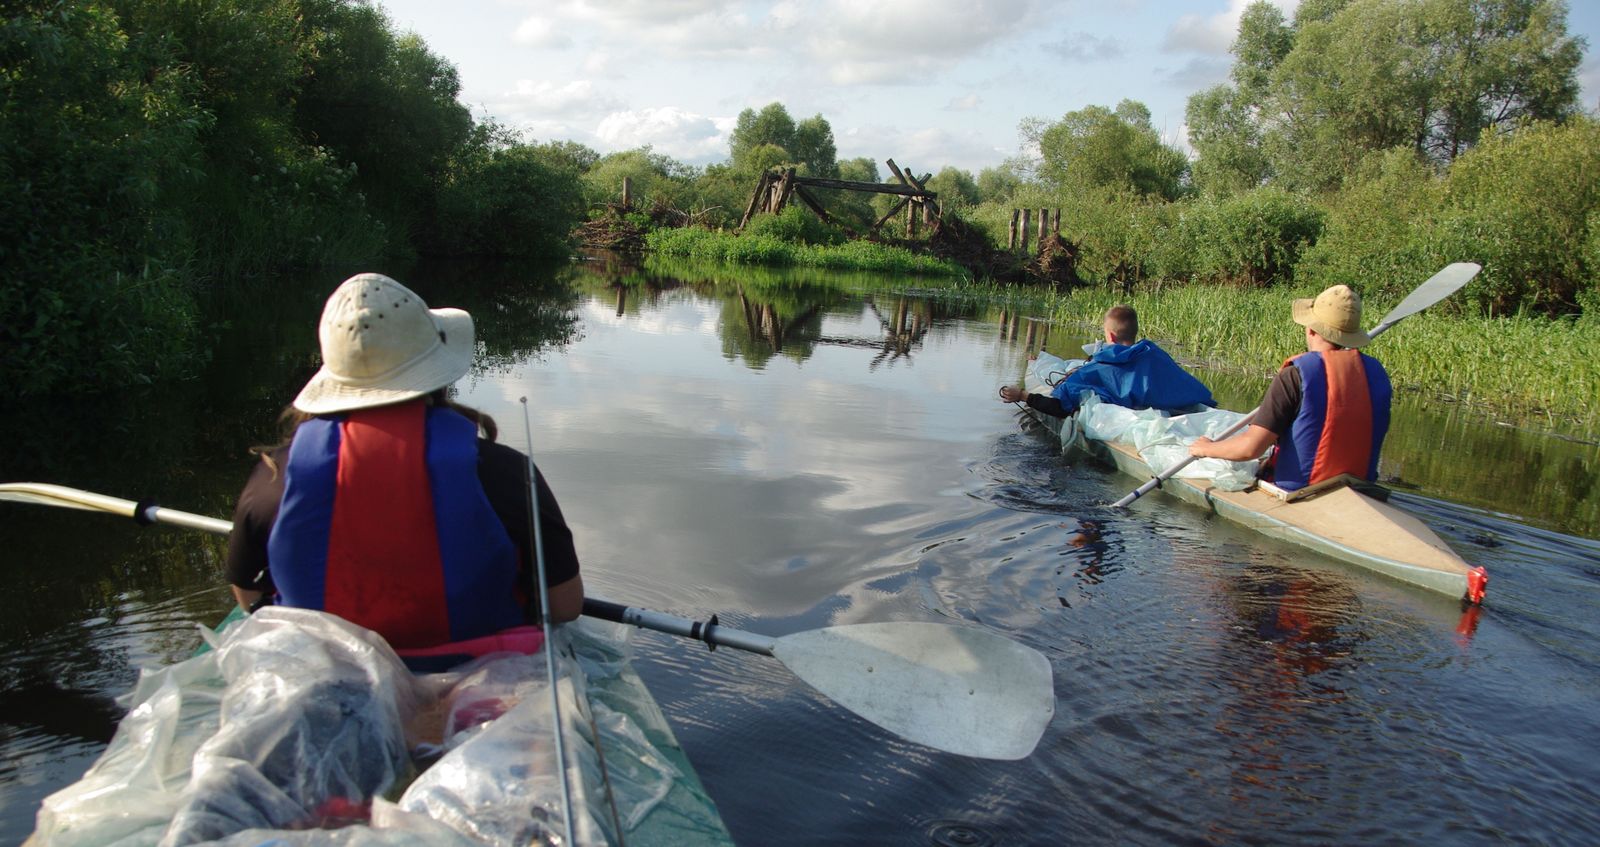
{"points": [[927, 82]]}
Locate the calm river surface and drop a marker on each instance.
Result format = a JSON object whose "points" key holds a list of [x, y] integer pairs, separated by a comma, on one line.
{"points": [[793, 451]]}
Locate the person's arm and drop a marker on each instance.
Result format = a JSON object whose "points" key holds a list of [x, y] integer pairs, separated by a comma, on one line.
{"points": [[1278, 408], [502, 471], [246, 566], [1243, 447], [566, 600], [1042, 402]]}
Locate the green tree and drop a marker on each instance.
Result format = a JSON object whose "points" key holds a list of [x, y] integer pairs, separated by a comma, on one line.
{"points": [[1096, 147], [96, 134], [813, 147], [955, 187], [997, 184], [752, 130], [1350, 78], [383, 103], [653, 176]]}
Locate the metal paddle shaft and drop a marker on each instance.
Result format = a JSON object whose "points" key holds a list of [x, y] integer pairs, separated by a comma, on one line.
{"points": [[957, 689], [1437, 287]]}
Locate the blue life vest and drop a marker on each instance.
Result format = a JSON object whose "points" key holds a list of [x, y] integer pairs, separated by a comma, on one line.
{"points": [[1139, 376], [1343, 417], [385, 523]]}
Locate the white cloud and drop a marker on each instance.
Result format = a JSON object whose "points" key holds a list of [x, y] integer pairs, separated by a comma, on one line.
{"points": [[963, 104], [1214, 33], [600, 64], [1198, 72], [541, 32], [923, 150], [542, 99], [678, 133], [1085, 47], [902, 41]]}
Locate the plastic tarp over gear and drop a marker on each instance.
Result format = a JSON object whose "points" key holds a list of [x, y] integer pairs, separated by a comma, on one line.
{"points": [[1161, 438], [301, 728]]}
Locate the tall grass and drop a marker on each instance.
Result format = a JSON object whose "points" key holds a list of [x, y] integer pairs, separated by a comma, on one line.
{"points": [[758, 249]]}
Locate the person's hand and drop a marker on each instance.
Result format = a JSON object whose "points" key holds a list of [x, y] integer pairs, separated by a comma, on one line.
{"points": [[1013, 395], [1197, 448]]}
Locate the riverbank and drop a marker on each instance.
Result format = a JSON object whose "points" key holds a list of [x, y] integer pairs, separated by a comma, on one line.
{"points": [[759, 249], [1532, 370]]}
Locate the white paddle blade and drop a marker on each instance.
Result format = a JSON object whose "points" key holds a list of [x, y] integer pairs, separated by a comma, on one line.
{"points": [[1437, 287], [45, 494], [957, 689]]}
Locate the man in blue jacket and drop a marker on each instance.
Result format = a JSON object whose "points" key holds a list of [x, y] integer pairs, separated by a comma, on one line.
{"points": [[1125, 371]]}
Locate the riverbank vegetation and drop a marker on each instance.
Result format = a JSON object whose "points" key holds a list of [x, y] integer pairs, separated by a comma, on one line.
{"points": [[149, 150]]}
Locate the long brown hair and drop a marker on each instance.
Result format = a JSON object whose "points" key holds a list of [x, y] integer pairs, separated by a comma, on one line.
{"points": [[291, 418]]}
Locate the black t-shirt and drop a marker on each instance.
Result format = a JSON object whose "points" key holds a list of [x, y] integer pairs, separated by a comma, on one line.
{"points": [[1282, 403], [501, 469]]}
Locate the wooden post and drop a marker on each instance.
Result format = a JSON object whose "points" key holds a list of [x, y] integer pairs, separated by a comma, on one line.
{"points": [[1056, 225], [627, 192], [1044, 224], [1027, 223], [911, 217], [892, 212], [785, 188], [1011, 238], [757, 199]]}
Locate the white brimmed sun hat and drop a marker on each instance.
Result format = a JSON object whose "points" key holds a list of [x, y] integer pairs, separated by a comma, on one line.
{"points": [[1335, 314], [381, 344]]}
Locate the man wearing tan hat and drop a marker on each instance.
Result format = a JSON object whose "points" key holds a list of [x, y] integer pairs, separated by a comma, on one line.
{"points": [[387, 503], [1327, 410]]}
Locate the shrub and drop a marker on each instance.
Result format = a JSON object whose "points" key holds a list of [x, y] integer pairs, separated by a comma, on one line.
{"points": [[1254, 238], [1520, 204], [796, 226]]}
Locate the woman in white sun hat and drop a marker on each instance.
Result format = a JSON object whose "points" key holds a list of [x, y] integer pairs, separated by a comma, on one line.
{"points": [[1328, 408], [389, 505]]}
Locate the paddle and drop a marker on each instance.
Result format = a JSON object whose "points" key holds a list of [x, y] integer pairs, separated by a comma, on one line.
{"points": [[958, 689], [1437, 287]]}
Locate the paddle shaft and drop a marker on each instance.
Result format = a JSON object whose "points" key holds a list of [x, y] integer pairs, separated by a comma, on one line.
{"points": [[1449, 280], [708, 631]]}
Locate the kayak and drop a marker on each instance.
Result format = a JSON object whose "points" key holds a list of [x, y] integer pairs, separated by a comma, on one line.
{"points": [[495, 781], [1338, 521]]}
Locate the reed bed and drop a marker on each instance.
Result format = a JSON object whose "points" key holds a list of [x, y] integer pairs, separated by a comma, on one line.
{"points": [[765, 250]]}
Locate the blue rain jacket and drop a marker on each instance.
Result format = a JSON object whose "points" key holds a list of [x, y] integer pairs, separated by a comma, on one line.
{"points": [[1139, 376]]}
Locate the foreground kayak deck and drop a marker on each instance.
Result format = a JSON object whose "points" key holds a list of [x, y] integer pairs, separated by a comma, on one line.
{"points": [[1341, 523]]}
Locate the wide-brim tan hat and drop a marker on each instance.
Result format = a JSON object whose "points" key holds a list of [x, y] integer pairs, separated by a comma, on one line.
{"points": [[1335, 314], [381, 344]]}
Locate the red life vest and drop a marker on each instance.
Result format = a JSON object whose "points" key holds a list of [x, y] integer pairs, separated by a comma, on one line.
{"points": [[1343, 417], [384, 523]]}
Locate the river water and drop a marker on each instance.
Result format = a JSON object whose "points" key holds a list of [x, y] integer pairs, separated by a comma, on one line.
{"points": [[798, 450]]}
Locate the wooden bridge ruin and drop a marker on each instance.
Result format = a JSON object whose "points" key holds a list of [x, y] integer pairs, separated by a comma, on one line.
{"points": [[775, 189]]}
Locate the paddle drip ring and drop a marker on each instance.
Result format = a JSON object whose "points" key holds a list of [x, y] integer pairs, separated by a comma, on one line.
{"points": [[958, 834]]}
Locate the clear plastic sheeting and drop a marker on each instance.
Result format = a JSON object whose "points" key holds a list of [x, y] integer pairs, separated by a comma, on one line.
{"points": [[300, 728], [1162, 439]]}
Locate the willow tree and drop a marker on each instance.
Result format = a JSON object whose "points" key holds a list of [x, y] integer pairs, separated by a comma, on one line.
{"points": [[1309, 100], [1096, 147]]}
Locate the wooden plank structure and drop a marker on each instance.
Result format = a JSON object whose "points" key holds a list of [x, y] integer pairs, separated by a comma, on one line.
{"points": [[776, 188]]}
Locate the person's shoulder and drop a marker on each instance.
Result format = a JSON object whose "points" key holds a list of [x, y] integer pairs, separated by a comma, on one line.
{"points": [[495, 453]]}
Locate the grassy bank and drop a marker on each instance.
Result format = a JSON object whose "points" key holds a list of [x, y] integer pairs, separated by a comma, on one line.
{"points": [[759, 249], [1532, 369]]}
